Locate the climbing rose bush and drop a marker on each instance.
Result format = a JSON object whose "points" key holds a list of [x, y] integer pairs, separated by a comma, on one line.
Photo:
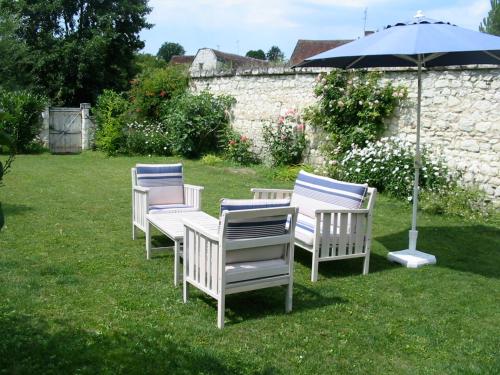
{"points": [[285, 140]]}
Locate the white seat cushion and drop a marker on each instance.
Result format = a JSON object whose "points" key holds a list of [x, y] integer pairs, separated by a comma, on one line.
{"points": [[169, 208], [255, 270]]}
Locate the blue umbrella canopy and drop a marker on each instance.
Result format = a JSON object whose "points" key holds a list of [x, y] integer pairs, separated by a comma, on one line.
{"points": [[438, 43], [419, 43]]}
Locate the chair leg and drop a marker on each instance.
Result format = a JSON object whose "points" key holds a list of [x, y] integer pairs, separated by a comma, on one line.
{"points": [[148, 241], [366, 264], [289, 297], [185, 291], [133, 231], [314, 270], [220, 311]]}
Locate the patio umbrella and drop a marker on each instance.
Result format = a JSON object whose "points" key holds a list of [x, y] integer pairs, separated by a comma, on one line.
{"points": [[419, 43]]}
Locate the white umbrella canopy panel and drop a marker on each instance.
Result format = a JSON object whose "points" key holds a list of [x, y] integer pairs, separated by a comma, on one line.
{"points": [[419, 43]]}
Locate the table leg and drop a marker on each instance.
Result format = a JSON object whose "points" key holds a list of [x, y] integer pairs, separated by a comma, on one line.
{"points": [[148, 240], [177, 251]]}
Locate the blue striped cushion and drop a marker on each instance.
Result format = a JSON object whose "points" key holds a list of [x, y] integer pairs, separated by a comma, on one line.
{"points": [[312, 192], [258, 227], [165, 182]]}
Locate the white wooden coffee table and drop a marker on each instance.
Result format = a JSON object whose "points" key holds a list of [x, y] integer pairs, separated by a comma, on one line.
{"points": [[172, 226]]}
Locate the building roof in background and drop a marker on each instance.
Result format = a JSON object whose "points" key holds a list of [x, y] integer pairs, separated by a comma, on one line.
{"points": [[307, 48], [237, 60], [185, 59]]}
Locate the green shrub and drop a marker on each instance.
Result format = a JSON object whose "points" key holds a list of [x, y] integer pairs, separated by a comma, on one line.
{"points": [[469, 203], [290, 173], [148, 138], [154, 87], [285, 140], [388, 165], [197, 123], [111, 114], [352, 107], [238, 148], [22, 120], [212, 160]]}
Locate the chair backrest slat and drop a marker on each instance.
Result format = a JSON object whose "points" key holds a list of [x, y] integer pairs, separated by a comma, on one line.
{"points": [[165, 182]]}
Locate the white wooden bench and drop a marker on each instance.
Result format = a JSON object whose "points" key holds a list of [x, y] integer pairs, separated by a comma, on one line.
{"points": [[334, 220]]}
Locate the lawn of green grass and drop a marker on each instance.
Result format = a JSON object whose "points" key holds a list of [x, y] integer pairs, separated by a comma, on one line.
{"points": [[78, 296]]}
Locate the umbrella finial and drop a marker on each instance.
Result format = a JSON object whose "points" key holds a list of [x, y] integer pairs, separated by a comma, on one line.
{"points": [[419, 14]]}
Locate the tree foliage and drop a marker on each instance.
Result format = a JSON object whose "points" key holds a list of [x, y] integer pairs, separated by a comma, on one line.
{"points": [[13, 52], [78, 48], [169, 49], [275, 54], [256, 54], [491, 23]]}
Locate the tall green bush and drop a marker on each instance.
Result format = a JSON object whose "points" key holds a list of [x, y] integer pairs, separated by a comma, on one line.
{"points": [[111, 114], [23, 118], [197, 123], [154, 87]]}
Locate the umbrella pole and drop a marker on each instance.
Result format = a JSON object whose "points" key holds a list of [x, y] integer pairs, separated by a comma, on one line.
{"points": [[413, 234], [411, 257]]}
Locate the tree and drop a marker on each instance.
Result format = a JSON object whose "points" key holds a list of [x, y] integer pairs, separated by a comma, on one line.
{"points": [[78, 48], [275, 54], [13, 53], [146, 62], [169, 49], [256, 54], [491, 23]]}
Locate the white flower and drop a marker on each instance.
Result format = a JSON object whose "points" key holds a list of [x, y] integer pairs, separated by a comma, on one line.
{"points": [[358, 170], [409, 199]]}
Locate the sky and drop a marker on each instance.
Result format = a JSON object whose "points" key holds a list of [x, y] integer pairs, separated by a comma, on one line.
{"points": [[237, 26]]}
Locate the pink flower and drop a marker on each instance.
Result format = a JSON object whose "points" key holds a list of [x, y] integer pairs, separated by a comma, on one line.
{"points": [[243, 138], [281, 120], [300, 127], [232, 142]]}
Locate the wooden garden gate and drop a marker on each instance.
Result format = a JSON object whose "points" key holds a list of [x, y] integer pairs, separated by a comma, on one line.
{"points": [[65, 130]]}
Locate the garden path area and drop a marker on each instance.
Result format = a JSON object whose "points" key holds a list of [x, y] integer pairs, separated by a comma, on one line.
{"points": [[78, 295]]}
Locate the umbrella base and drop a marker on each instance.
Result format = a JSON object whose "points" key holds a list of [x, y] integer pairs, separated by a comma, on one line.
{"points": [[411, 258]]}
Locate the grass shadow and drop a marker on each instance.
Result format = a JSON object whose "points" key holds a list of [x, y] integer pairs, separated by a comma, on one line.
{"points": [[15, 209], [474, 248], [28, 346], [258, 304]]}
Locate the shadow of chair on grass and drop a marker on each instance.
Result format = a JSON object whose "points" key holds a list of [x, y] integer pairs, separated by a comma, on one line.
{"points": [[474, 248], [15, 209], [261, 303], [30, 346]]}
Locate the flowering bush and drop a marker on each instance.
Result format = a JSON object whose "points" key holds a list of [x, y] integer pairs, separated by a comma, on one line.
{"points": [[239, 149], [387, 164], [153, 88], [285, 140], [148, 138], [352, 107]]}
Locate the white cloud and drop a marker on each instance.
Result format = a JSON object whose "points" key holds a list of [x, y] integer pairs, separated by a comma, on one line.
{"points": [[349, 3], [468, 15], [215, 14]]}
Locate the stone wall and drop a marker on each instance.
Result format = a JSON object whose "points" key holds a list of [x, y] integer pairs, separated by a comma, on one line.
{"points": [[460, 111]]}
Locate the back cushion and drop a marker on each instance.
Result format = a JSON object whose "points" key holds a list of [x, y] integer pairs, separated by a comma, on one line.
{"points": [[254, 228], [312, 192], [165, 182]]}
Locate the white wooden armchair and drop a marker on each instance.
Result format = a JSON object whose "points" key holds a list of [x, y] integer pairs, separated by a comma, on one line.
{"points": [[160, 189], [250, 249], [331, 223]]}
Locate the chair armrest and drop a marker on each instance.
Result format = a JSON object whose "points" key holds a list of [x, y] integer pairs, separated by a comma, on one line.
{"points": [[140, 189], [206, 232], [259, 193], [194, 187], [343, 211]]}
